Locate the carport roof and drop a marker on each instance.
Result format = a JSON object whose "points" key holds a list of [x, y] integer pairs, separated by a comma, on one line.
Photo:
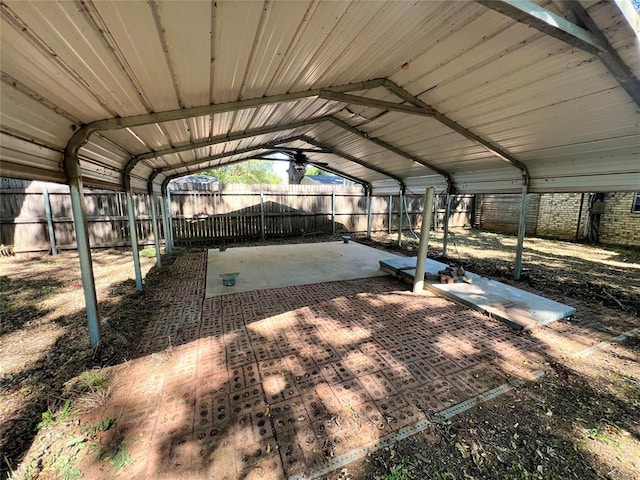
{"points": [[478, 96]]}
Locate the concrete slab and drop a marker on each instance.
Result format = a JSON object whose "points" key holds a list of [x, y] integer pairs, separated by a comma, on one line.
{"points": [[520, 309], [286, 265]]}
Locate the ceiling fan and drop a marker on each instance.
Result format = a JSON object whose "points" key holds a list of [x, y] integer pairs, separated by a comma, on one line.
{"points": [[298, 157]]}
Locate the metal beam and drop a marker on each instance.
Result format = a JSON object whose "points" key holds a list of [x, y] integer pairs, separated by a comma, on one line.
{"points": [[425, 110], [353, 159], [364, 183], [374, 103], [369, 201], [84, 248], [227, 138], [610, 57], [522, 228], [133, 234], [336, 121], [319, 165], [154, 223], [81, 136], [421, 261], [387, 146], [165, 222], [327, 168], [261, 146], [447, 214], [219, 156], [590, 40], [533, 15]]}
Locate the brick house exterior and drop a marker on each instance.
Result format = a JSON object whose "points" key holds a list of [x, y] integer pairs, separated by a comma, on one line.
{"points": [[557, 216]]}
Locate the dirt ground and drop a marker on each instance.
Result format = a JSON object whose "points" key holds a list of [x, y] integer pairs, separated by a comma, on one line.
{"points": [[579, 421]]}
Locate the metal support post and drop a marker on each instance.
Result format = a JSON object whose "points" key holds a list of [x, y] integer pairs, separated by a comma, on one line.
{"points": [[447, 214], [133, 234], [400, 215], [84, 254], [369, 202], [333, 210], [156, 230], [262, 219], [579, 216], [418, 280], [165, 224], [170, 221], [522, 227], [47, 211], [390, 212]]}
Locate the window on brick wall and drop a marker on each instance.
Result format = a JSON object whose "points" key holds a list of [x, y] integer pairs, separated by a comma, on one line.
{"points": [[636, 203]]}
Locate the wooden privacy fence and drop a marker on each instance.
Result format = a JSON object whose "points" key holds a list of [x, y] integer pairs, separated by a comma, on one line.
{"points": [[37, 216]]}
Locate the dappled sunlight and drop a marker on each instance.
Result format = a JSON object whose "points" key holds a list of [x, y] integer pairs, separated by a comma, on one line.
{"points": [[455, 346], [277, 383], [270, 326]]}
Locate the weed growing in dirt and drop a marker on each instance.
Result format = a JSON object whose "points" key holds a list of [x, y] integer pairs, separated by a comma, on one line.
{"points": [[92, 380], [116, 454], [595, 434], [49, 420]]}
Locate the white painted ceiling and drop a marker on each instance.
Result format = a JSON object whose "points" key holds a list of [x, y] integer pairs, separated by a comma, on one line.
{"points": [[551, 106]]}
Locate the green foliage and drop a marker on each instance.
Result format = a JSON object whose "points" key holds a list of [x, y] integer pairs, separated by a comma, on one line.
{"points": [[249, 172], [92, 381], [313, 170], [66, 467], [148, 252], [407, 469], [91, 430], [49, 420], [117, 454], [596, 434]]}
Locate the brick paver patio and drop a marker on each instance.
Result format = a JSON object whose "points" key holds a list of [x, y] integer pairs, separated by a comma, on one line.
{"points": [[274, 383]]}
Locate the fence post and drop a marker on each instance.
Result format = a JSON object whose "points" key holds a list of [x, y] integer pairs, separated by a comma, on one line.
{"points": [[133, 234], [522, 228], [400, 197], [447, 214], [170, 219], [47, 211], [84, 255], [262, 220], [390, 212], [370, 200], [154, 223], [333, 210], [418, 280]]}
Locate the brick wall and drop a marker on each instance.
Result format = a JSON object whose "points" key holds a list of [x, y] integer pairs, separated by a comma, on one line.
{"points": [[618, 225], [558, 215]]}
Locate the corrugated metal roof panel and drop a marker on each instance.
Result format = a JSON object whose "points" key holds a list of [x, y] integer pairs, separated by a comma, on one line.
{"points": [[142, 48], [552, 106], [62, 28], [187, 38], [31, 120]]}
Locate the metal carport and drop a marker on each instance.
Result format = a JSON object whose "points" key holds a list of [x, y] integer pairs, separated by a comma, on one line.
{"points": [[468, 97]]}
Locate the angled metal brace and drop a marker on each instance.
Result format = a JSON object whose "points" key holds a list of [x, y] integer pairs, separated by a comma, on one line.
{"points": [[364, 183], [353, 159], [422, 109], [387, 146], [226, 138], [81, 136], [590, 40], [221, 155], [324, 149], [610, 57]]}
